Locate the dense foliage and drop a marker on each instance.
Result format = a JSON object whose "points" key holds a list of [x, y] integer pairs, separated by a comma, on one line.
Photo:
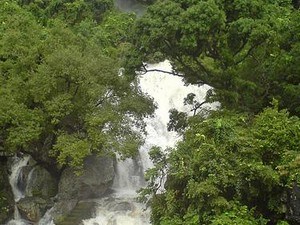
{"points": [[63, 97], [229, 169], [248, 51], [61, 92], [236, 165]]}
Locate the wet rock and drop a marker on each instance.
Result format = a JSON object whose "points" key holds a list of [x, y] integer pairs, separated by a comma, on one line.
{"points": [[40, 183], [62, 208], [32, 208], [97, 176], [82, 210]]}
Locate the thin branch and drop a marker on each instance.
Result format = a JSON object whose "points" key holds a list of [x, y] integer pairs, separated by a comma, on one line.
{"points": [[162, 71], [248, 52], [106, 96], [197, 106]]}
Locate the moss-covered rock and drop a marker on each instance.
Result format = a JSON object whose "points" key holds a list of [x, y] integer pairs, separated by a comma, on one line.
{"points": [[40, 183], [82, 210], [33, 208]]}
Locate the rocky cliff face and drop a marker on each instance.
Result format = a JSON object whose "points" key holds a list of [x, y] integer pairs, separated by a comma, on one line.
{"points": [[63, 195], [40, 188], [96, 178]]}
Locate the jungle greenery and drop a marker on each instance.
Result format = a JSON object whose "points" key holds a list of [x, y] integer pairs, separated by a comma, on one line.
{"points": [[230, 168], [62, 97], [248, 51], [235, 165]]}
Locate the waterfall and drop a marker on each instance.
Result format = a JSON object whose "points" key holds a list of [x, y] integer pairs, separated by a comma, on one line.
{"points": [[131, 6], [17, 182], [121, 207]]}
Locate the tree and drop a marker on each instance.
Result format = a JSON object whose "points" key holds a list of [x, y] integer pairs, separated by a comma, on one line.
{"points": [[61, 97], [228, 169], [71, 11], [245, 50]]}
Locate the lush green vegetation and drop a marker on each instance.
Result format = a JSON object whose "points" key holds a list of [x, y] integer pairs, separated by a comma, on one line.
{"points": [[230, 168], [62, 98], [236, 165], [248, 51]]}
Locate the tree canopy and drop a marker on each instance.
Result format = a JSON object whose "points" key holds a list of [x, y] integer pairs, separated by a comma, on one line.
{"points": [[228, 169], [62, 95], [247, 51], [239, 164]]}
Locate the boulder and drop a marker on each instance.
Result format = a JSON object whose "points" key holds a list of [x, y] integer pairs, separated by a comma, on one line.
{"points": [[39, 189], [33, 208], [96, 178], [82, 210], [293, 205], [61, 209], [40, 183]]}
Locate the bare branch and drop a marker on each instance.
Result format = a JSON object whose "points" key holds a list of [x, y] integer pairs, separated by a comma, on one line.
{"points": [[197, 106], [163, 71]]}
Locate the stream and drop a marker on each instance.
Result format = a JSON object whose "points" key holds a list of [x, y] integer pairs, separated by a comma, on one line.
{"points": [[121, 207]]}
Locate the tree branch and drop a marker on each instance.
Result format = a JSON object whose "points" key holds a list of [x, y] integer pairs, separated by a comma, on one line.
{"points": [[162, 71], [248, 52]]}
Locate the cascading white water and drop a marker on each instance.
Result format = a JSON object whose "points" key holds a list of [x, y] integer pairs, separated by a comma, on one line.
{"points": [[16, 182], [121, 208], [131, 6]]}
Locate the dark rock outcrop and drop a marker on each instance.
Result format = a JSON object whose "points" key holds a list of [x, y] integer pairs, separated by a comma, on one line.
{"points": [[39, 188], [293, 205], [6, 195], [97, 176], [33, 208], [63, 195], [41, 183]]}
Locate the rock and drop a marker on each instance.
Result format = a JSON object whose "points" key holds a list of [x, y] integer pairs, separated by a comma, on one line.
{"points": [[293, 205], [122, 206], [82, 210], [33, 208], [40, 183], [61, 209], [40, 187], [6, 195], [97, 176]]}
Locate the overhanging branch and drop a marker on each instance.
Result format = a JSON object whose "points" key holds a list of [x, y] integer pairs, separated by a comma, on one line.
{"points": [[145, 70]]}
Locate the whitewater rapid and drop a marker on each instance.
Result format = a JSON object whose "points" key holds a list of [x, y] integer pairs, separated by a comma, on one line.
{"points": [[168, 91]]}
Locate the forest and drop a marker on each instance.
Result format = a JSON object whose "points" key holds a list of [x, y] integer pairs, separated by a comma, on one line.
{"points": [[68, 89]]}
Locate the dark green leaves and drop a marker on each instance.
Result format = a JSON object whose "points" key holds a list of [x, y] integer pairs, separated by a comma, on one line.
{"points": [[231, 168]]}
